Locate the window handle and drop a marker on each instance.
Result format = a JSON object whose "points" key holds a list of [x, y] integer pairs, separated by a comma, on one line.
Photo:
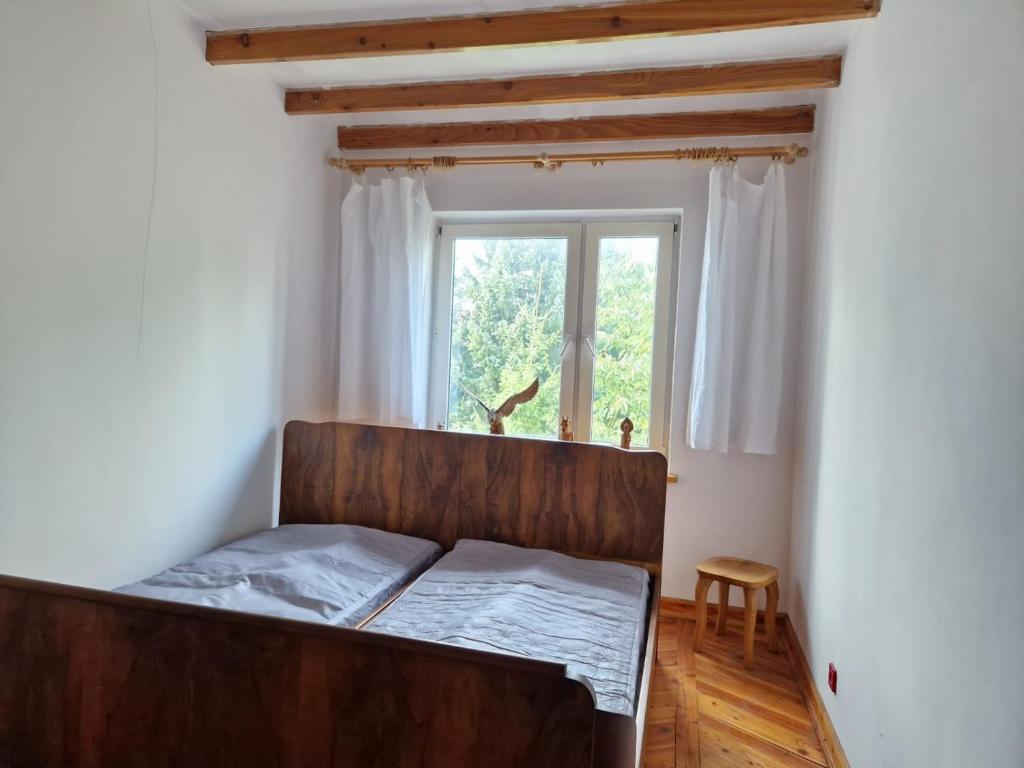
{"points": [[568, 340], [590, 345]]}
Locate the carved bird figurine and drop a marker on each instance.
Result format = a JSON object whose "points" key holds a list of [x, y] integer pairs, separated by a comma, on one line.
{"points": [[496, 416]]}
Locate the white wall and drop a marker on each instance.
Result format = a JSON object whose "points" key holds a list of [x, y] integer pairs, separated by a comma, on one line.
{"points": [[724, 504], [908, 526], [166, 294], [150, 359]]}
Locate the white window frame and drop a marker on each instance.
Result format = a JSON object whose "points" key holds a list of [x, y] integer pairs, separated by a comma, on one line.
{"points": [[441, 336], [595, 231], [579, 323]]}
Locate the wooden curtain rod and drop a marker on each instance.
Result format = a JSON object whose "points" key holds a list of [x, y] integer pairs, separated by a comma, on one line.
{"points": [[788, 153]]}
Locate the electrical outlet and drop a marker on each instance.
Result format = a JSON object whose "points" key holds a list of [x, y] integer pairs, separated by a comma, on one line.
{"points": [[833, 677]]}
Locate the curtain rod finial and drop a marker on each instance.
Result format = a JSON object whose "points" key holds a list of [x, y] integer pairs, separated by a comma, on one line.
{"points": [[795, 151]]}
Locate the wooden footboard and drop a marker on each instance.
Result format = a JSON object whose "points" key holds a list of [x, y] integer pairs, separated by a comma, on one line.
{"points": [[93, 679]]}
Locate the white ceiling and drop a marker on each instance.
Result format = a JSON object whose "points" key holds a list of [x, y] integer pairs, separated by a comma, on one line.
{"points": [[808, 40]]}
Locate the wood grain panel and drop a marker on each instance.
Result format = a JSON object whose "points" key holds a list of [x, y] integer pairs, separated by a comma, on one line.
{"points": [[679, 125], [98, 680], [405, 481], [746, 77], [563, 25], [570, 497]]}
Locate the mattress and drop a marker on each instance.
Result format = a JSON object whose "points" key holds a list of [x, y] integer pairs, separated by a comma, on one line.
{"points": [[587, 614], [332, 574]]}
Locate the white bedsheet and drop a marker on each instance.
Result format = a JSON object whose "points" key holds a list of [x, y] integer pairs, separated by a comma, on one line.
{"points": [[588, 614], [333, 574]]}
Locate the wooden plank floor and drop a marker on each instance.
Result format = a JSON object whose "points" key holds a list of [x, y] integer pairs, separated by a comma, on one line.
{"points": [[707, 710]]}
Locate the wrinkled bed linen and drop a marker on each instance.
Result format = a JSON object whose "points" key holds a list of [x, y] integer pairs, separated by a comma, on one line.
{"points": [[587, 614], [333, 574]]}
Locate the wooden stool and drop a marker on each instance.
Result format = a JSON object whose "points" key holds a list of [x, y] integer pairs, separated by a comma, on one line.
{"points": [[749, 576]]}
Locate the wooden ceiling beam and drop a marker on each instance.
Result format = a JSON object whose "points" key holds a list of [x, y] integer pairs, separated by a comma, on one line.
{"points": [[760, 122], [746, 77], [657, 18]]}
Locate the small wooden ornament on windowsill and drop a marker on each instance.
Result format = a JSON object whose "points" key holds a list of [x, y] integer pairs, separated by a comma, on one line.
{"points": [[564, 433], [627, 428]]}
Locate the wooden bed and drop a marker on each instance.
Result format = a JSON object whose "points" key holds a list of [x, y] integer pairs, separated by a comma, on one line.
{"points": [[101, 680]]}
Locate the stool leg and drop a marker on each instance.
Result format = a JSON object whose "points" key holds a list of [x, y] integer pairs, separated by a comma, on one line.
{"points": [[701, 599], [723, 607], [749, 622], [771, 607]]}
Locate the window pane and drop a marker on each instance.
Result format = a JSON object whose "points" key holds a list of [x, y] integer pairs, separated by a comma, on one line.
{"points": [[508, 307], [626, 293]]}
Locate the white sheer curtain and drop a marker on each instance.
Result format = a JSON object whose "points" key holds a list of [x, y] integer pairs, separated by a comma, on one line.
{"points": [[736, 391], [385, 302]]}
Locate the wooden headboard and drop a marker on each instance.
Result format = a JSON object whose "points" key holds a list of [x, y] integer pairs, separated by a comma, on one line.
{"points": [[570, 497]]}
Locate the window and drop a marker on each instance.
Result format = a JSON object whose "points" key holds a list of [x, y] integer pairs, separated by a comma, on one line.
{"points": [[583, 307]]}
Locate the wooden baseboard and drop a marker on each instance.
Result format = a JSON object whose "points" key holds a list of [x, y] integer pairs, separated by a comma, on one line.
{"points": [[685, 609], [819, 715]]}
